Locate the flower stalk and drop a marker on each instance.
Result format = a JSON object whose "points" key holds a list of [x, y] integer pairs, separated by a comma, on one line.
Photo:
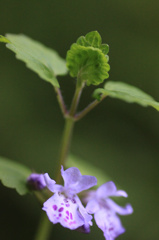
{"points": [[44, 228], [65, 144], [61, 101]]}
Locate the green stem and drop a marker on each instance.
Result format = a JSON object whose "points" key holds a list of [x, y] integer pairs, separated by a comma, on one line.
{"points": [[92, 105], [76, 97], [75, 101], [44, 228], [60, 101], [65, 144], [68, 129]]}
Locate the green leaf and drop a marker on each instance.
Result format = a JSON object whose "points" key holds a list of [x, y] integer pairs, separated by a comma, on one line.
{"points": [[104, 48], [126, 93], [42, 60], [82, 41], [87, 59], [87, 169], [94, 39], [14, 175]]}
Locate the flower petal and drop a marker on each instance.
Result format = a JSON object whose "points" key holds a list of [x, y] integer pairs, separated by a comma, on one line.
{"points": [[36, 181], [50, 183], [85, 182], [92, 206], [121, 193], [118, 209], [70, 176], [106, 190], [74, 180], [64, 211], [87, 217], [109, 189], [109, 223]]}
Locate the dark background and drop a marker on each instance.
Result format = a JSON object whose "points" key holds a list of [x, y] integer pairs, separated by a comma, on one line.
{"points": [[121, 139]]}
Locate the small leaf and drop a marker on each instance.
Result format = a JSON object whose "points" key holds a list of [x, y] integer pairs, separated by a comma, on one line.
{"points": [[94, 39], [126, 93], [14, 175], [42, 60], [87, 64], [105, 48], [82, 41], [87, 169], [87, 60]]}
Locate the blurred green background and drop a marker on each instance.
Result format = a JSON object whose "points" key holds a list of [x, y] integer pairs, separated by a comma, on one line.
{"points": [[121, 139]]}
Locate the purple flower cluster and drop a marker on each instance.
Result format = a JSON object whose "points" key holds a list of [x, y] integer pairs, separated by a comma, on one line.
{"points": [[105, 210], [66, 208]]}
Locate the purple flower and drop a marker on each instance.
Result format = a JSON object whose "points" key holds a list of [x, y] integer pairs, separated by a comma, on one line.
{"points": [[64, 206], [36, 181], [105, 210]]}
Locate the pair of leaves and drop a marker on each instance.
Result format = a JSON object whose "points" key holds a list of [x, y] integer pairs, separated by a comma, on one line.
{"points": [[87, 59], [42, 60], [126, 93]]}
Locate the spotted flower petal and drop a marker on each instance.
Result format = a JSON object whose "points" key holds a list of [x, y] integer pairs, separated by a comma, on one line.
{"points": [[64, 211]]}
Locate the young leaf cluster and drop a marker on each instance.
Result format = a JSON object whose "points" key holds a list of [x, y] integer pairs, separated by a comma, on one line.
{"points": [[87, 59]]}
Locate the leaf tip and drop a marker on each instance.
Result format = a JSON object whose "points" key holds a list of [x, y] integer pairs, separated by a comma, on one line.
{"points": [[4, 39]]}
